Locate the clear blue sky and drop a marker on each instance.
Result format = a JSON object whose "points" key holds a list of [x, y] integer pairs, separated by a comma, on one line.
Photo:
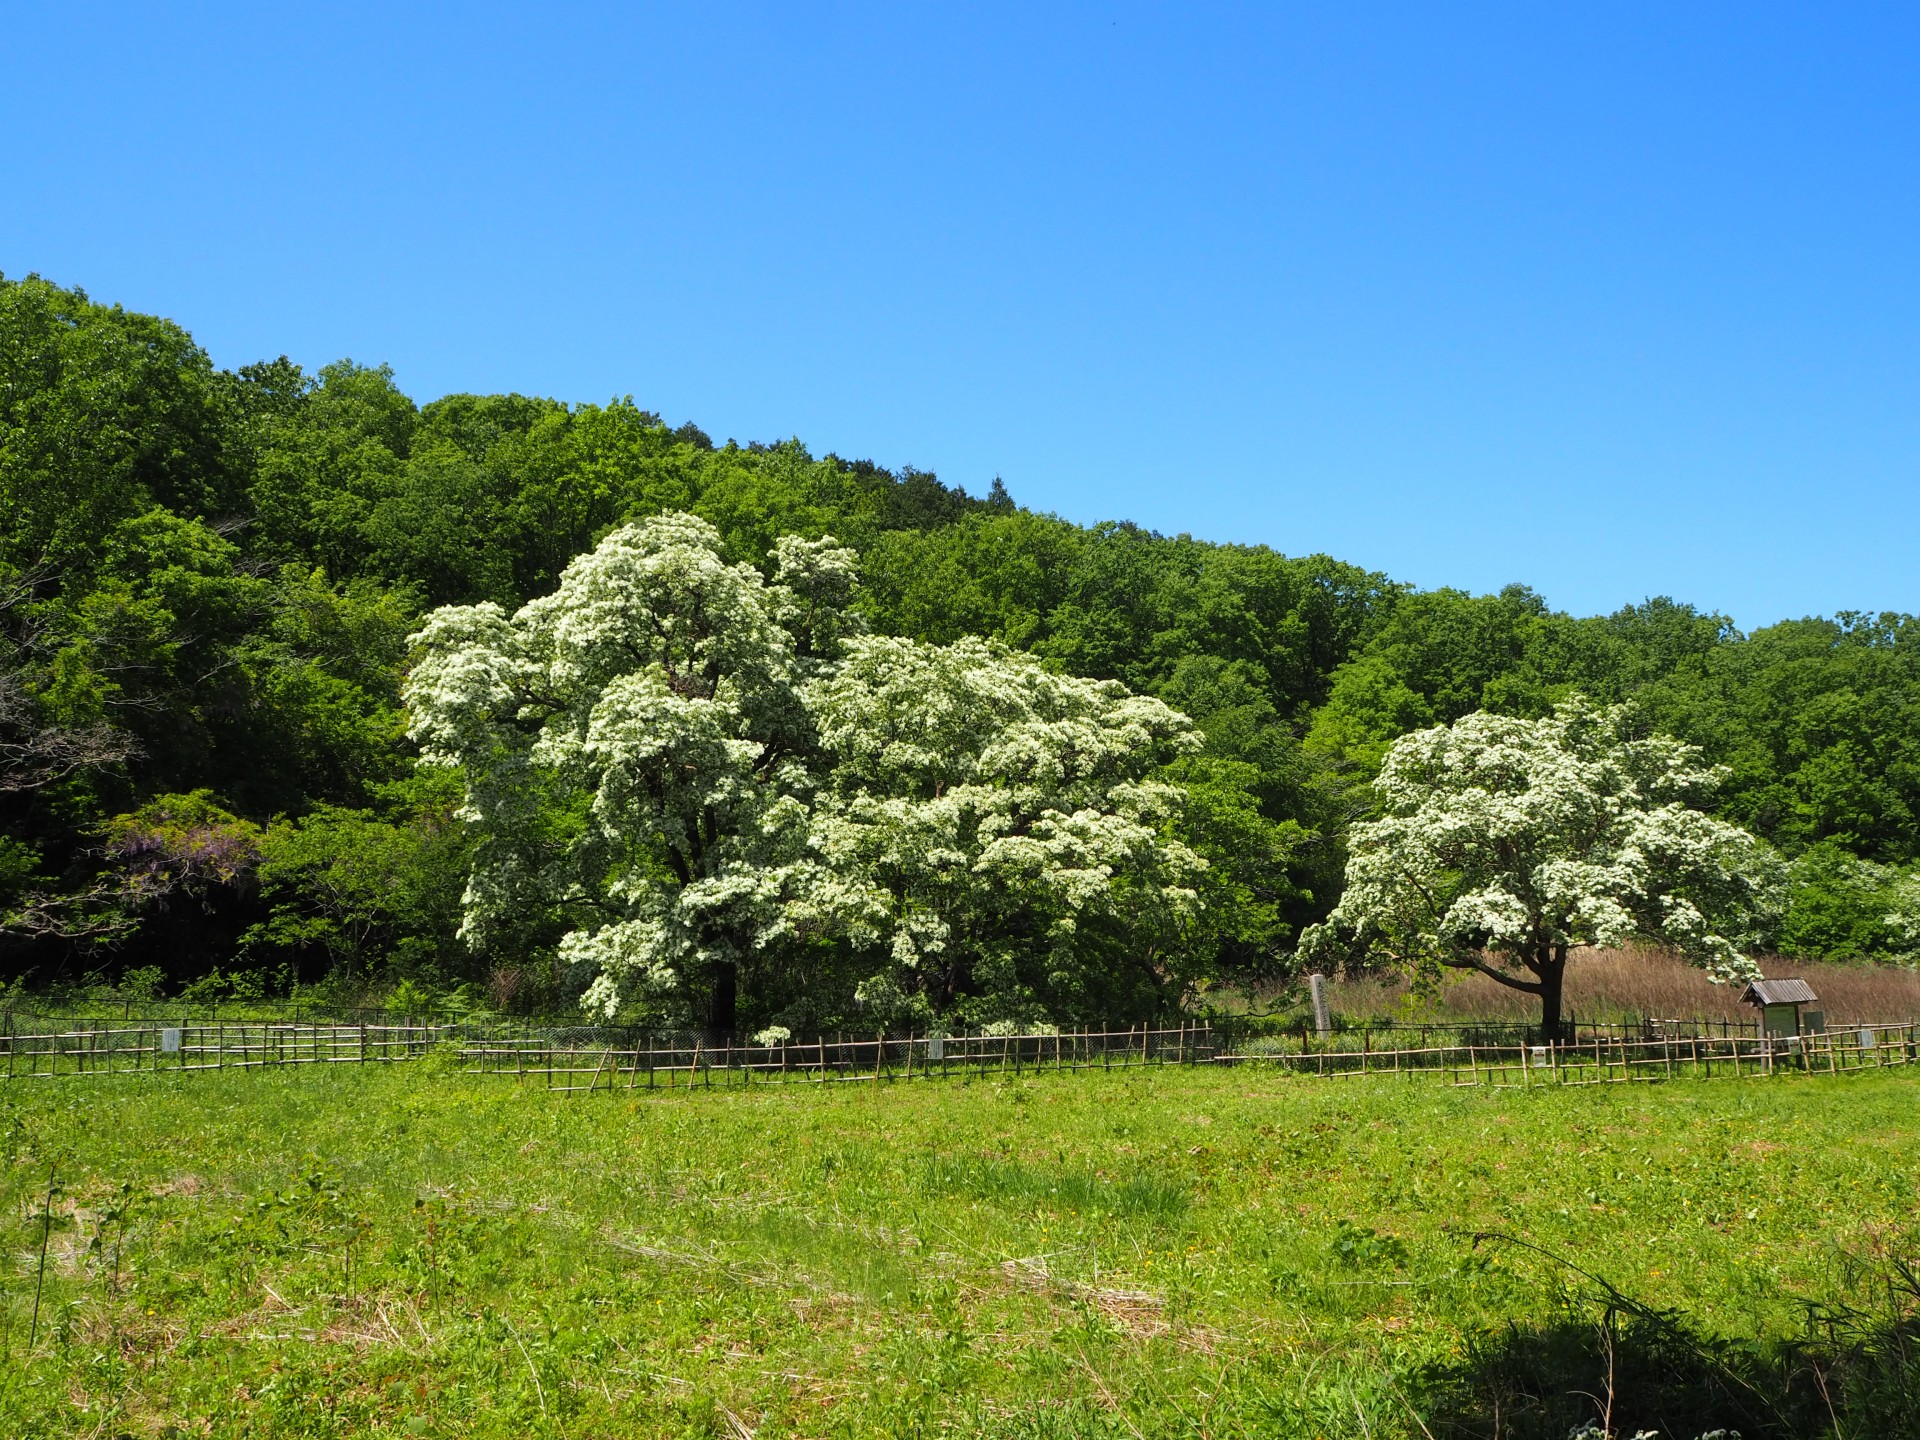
{"points": [[1614, 300]]}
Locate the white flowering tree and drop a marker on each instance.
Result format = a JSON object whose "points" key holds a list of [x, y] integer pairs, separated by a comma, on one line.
{"points": [[1006, 828], [687, 770], [1502, 844], [637, 757]]}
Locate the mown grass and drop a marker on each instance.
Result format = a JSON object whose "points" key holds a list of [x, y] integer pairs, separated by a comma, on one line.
{"points": [[413, 1251]]}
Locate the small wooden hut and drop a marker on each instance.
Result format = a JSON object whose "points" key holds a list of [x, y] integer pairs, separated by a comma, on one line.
{"points": [[1779, 1003]]}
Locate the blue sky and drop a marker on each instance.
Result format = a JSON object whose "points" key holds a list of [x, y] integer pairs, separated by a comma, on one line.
{"points": [[1612, 300]]}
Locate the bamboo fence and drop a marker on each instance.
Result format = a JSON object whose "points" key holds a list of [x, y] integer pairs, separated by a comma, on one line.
{"points": [[151, 1049], [1603, 1060], [881, 1059], [583, 1060]]}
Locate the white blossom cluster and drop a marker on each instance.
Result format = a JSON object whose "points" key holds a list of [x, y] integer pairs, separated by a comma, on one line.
{"points": [[1502, 843], [694, 765]]}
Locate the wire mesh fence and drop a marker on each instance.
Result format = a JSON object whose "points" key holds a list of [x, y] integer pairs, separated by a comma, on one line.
{"points": [[1229, 1031], [127, 1049], [1240, 1031], [566, 1067], [588, 1058], [560, 1054], [1599, 1059]]}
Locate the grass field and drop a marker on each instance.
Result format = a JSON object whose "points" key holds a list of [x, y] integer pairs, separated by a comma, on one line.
{"points": [[413, 1251]]}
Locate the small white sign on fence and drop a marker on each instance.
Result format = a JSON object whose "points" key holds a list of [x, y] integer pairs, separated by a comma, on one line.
{"points": [[1868, 1039], [937, 1047], [170, 1042]]}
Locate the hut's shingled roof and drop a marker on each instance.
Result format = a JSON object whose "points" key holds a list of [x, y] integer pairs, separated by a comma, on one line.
{"points": [[1779, 992]]}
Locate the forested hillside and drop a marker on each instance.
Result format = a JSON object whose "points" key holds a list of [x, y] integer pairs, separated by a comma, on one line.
{"points": [[208, 580]]}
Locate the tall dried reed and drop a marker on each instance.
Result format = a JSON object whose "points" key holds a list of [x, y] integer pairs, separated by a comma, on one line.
{"points": [[1609, 984]]}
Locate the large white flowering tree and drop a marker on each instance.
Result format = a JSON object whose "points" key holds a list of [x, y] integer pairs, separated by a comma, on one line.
{"points": [[1007, 827], [1502, 844], [692, 772], [636, 755]]}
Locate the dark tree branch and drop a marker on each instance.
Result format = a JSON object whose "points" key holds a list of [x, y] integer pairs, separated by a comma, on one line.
{"points": [[1471, 962], [34, 756]]}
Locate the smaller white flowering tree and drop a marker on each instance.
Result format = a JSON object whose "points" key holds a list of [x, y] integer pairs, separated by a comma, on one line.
{"points": [[1503, 844], [1011, 838]]}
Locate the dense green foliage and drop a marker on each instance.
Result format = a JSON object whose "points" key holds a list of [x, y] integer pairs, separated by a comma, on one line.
{"points": [[402, 1250], [207, 580]]}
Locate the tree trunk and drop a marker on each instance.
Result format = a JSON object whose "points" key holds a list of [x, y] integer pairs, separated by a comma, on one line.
{"points": [[1551, 966], [724, 1005]]}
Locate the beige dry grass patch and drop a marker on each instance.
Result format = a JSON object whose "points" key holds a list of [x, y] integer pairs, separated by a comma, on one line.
{"points": [[1607, 984], [1141, 1314]]}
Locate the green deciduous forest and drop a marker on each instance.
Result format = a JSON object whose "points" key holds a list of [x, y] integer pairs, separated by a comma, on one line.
{"points": [[208, 580]]}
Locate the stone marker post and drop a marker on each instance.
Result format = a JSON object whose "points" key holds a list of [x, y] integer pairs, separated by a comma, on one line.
{"points": [[1322, 1023]]}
